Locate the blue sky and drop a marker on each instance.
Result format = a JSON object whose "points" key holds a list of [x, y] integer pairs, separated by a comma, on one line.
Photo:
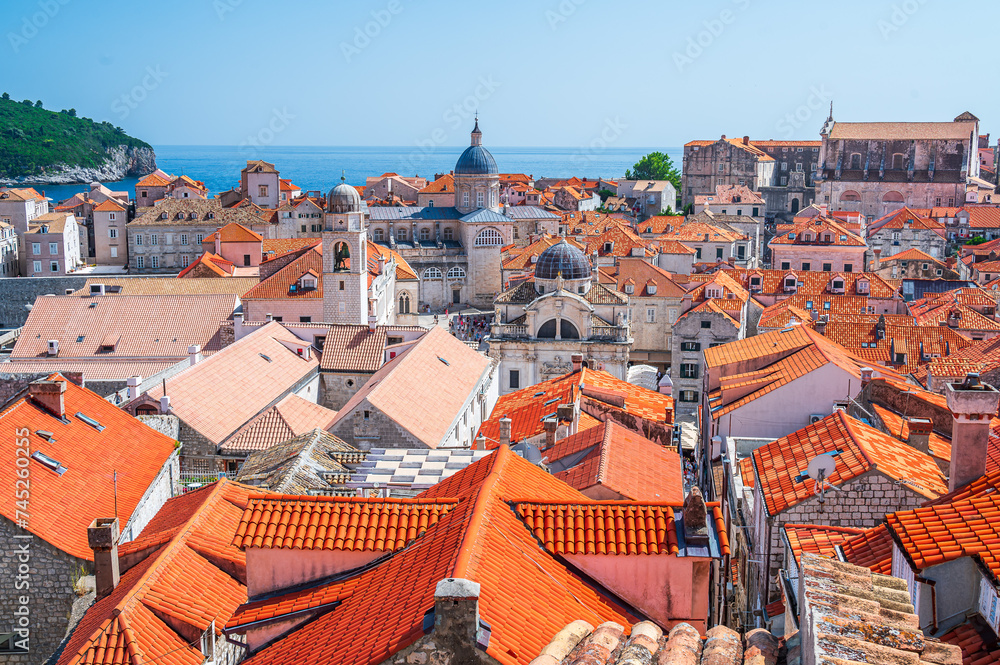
{"points": [[572, 73]]}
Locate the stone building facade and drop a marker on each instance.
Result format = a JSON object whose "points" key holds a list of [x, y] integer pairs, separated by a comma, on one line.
{"points": [[726, 162], [878, 167]]}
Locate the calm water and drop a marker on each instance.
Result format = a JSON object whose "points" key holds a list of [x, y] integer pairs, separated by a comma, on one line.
{"points": [[319, 168]]}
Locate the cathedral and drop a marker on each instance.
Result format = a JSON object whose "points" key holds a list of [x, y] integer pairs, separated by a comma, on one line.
{"points": [[455, 251], [562, 312]]}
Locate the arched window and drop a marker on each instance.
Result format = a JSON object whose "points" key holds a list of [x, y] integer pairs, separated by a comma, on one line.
{"points": [[892, 197], [795, 206], [378, 235], [456, 273], [432, 273], [548, 330], [567, 330], [850, 196], [449, 233], [404, 303], [425, 233], [341, 256], [401, 235], [489, 238]]}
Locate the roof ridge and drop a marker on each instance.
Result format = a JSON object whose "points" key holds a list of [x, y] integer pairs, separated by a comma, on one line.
{"points": [[602, 466], [463, 561]]}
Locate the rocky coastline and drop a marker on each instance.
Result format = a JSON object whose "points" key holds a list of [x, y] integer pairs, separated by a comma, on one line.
{"points": [[122, 162]]}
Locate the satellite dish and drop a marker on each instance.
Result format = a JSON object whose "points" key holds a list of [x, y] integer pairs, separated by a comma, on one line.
{"points": [[821, 467]]}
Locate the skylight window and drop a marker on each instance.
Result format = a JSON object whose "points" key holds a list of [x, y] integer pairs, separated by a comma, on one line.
{"points": [[80, 338], [444, 361], [90, 421], [48, 462], [48, 436], [267, 358]]}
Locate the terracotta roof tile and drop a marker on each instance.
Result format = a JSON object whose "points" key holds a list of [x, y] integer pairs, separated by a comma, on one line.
{"points": [[602, 528], [290, 417], [816, 539], [234, 232], [872, 548], [976, 650]]}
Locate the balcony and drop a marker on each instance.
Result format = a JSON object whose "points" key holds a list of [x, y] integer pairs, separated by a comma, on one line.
{"points": [[509, 330], [610, 333]]}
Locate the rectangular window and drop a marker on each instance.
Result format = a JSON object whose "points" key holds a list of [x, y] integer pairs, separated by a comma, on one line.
{"points": [[154, 239], [341, 286], [689, 370], [143, 194], [54, 266], [827, 267], [114, 252], [38, 266], [140, 262], [756, 212], [185, 260], [848, 267], [138, 238], [200, 238], [184, 239], [155, 261], [706, 324], [112, 232], [690, 346], [784, 166], [697, 253], [718, 253], [785, 265], [515, 379], [689, 395], [36, 248], [305, 319], [303, 228], [784, 180], [465, 199], [262, 190], [741, 251], [805, 266], [111, 216], [650, 315]]}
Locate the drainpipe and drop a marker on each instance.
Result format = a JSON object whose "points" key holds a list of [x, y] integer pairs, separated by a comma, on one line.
{"points": [[767, 565]]}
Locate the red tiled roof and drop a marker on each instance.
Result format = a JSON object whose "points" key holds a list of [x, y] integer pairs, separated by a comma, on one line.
{"points": [[746, 472], [64, 505], [622, 461], [155, 179], [643, 274], [780, 464], [275, 247], [190, 578], [527, 408], [940, 447], [696, 232], [290, 417], [872, 548], [622, 238], [816, 539], [619, 527], [983, 217], [480, 539], [278, 286], [975, 649], [905, 218], [109, 205], [815, 229], [338, 523], [235, 232], [660, 224]]}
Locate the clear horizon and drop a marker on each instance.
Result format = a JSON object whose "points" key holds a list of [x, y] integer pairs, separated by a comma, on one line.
{"points": [[556, 73]]}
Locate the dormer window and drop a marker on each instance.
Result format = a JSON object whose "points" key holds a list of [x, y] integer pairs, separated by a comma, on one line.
{"points": [[307, 283], [211, 215], [791, 236], [755, 281], [180, 215], [630, 288], [192, 216], [163, 215], [651, 289], [828, 238]]}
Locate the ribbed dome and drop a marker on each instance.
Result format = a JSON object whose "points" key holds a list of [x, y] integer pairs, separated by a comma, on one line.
{"points": [[476, 160], [343, 198], [562, 258]]}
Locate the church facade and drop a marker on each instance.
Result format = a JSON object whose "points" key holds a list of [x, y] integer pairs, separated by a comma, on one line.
{"points": [[541, 323]]}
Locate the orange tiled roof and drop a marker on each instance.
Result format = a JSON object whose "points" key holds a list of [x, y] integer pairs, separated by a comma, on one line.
{"points": [[746, 472], [816, 539], [211, 396], [643, 274], [660, 224], [480, 539], [975, 649], [109, 205], [337, 523], [940, 447], [274, 247], [983, 217], [935, 534], [187, 577], [872, 548], [913, 254], [619, 527], [63, 505], [443, 185], [527, 408], [781, 464], [279, 285], [622, 461], [905, 218], [290, 417], [622, 238], [814, 282], [235, 232], [738, 143], [697, 232], [217, 264], [155, 179], [815, 229]]}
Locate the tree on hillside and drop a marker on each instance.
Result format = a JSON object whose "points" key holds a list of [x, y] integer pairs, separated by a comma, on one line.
{"points": [[27, 102], [38, 104], [6, 95], [655, 166], [71, 113]]}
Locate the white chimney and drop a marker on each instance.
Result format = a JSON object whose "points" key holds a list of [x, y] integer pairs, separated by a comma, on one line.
{"points": [[53, 347], [133, 386], [165, 404], [194, 353], [269, 317]]}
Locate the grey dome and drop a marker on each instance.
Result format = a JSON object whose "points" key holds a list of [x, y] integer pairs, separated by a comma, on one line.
{"points": [[343, 198], [562, 258], [476, 160]]}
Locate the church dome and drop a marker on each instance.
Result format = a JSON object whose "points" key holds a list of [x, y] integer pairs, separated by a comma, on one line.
{"points": [[476, 160], [343, 198], [562, 258]]}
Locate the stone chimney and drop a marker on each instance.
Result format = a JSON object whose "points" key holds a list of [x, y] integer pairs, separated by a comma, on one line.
{"points": [[878, 257], [505, 424], [821, 322], [577, 360], [972, 404], [480, 443], [866, 376], [133, 386], [50, 395], [381, 264], [824, 210], [746, 140], [218, 242], [194, 353], [551, 424], [566, 412], [456, 617], [102, 535], [920, 433], [695, 518]]}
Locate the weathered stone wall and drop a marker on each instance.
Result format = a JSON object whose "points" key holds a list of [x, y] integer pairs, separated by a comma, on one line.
{"points": [[11, 384], [47, 585], [339, 387], [16, 292]]}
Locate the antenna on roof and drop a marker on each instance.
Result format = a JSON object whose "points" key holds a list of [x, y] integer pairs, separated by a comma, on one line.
{"points": [[820, 468]]}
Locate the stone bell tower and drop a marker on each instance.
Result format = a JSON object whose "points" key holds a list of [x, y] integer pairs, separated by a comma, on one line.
{"points": [[345, 257]]}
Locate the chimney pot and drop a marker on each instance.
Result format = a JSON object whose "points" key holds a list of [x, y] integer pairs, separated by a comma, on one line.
{"points": [[133, 386], [746, 140], [194, 353], [102, 536], [165, 404], [919, 434], [695, 518], [480, 443], [551, 425], [565, 412], [50, 395], [866, 376], [973, 404], [505, 429], [577, 360]]}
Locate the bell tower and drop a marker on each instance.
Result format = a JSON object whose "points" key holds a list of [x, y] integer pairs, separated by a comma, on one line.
{"points": [[345, 257]]}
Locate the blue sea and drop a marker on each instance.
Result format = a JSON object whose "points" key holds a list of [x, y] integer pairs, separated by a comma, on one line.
{"points": [[319, 168]]}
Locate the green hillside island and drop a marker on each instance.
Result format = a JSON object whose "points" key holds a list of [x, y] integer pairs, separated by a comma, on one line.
{"points": [[45, 147]]}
